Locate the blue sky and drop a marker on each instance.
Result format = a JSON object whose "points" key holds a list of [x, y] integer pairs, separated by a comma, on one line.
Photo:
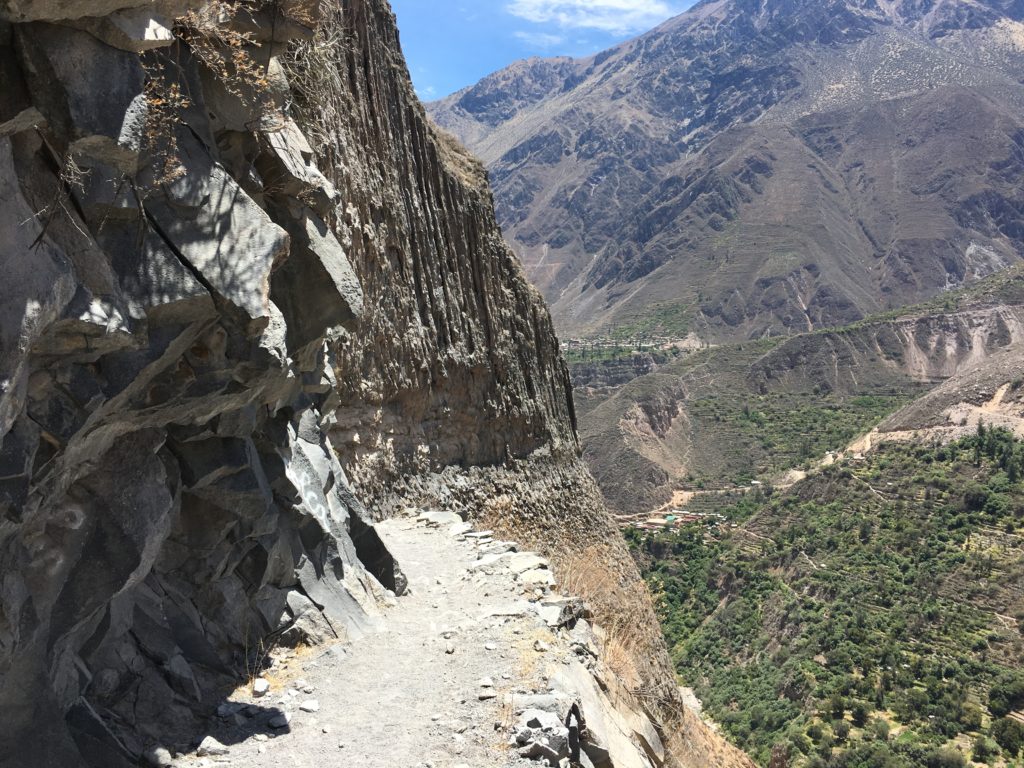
{"points": [[450, 44]]}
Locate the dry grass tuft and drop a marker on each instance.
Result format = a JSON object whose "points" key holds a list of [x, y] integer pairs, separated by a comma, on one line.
{"points": [[459, 160], [256, 658], [317, 70], [228, 55], [619, 623], [300, 14], [224, 51]]}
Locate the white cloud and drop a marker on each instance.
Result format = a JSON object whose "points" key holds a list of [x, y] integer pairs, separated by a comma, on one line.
{"points": [[613, 16], [540, 39], [427, 92]]}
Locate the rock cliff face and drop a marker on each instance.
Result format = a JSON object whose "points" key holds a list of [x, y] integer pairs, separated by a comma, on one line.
{"points": [[170, 502], [248, 294], [455, 360]]}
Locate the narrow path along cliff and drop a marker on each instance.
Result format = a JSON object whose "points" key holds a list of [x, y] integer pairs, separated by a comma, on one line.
{"points": [[460, 667]]}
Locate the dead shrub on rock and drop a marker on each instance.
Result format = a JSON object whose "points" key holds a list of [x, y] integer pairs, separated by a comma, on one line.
{"points": [[224, 51], [70, 177], [317, 69], [228, 55], [165, 102]]}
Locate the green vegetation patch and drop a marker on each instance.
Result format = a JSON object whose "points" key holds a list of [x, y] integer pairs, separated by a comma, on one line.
{"points": [[870, 616], [781, 431], [1005, 287], [589, 353], [673, 318]]}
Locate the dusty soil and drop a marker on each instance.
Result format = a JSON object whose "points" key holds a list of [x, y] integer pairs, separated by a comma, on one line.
{"points": [[398, 698]]}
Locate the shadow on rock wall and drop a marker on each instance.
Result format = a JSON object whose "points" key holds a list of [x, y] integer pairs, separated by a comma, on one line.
{"points": [[169, 507]]}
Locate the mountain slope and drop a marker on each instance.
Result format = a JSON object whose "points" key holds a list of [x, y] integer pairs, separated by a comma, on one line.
{"points": [[761, 166], [869, 616], [733, 413]]}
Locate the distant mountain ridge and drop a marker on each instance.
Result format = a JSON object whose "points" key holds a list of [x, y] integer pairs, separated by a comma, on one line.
{"points": [[758, 167]]}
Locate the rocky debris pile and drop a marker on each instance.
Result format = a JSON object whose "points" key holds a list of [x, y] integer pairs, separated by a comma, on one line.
{"points": [[259, 712], [573, 722]]}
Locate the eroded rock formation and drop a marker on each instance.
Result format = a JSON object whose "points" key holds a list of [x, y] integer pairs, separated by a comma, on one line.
{"points": [[170, 501], [251, 300]]}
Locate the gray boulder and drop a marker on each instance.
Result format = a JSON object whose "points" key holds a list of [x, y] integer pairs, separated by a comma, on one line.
{"points": [[237, 264], [62, 65], [133, 29], [316, 287]]}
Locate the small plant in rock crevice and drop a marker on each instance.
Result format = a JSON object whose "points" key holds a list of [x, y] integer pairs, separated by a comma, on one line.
{"points": [[228, 54], [70, 177], [225, 51], [256, 658]]}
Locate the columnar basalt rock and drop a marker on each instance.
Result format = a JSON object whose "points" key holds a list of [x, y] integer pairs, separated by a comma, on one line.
{"points": [[251, 298], [455, 360]]}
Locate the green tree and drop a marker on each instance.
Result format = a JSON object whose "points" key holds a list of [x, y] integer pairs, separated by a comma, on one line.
{"points": [[975, 496], [841, 729], [982, 750], [879, 729], [1008, 734], [837, 706], [945, 757], [1006, 694], [859, 714], [971, 717]]}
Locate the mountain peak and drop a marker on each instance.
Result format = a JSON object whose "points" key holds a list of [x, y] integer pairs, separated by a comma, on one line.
{"points": [[761, 166]]}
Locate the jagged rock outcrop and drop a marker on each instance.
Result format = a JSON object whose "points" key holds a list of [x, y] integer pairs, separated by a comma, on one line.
{"points": [[170, 502], [248, 294]]}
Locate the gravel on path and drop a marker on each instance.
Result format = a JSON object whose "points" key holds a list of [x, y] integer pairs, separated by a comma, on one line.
{"points": [[427, 690]]}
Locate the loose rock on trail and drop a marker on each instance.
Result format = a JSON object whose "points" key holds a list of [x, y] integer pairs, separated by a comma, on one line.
{"points": [[457, 675]]}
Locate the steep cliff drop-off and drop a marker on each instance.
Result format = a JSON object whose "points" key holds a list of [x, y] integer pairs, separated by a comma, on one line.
{"points": [[251, 302]]}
